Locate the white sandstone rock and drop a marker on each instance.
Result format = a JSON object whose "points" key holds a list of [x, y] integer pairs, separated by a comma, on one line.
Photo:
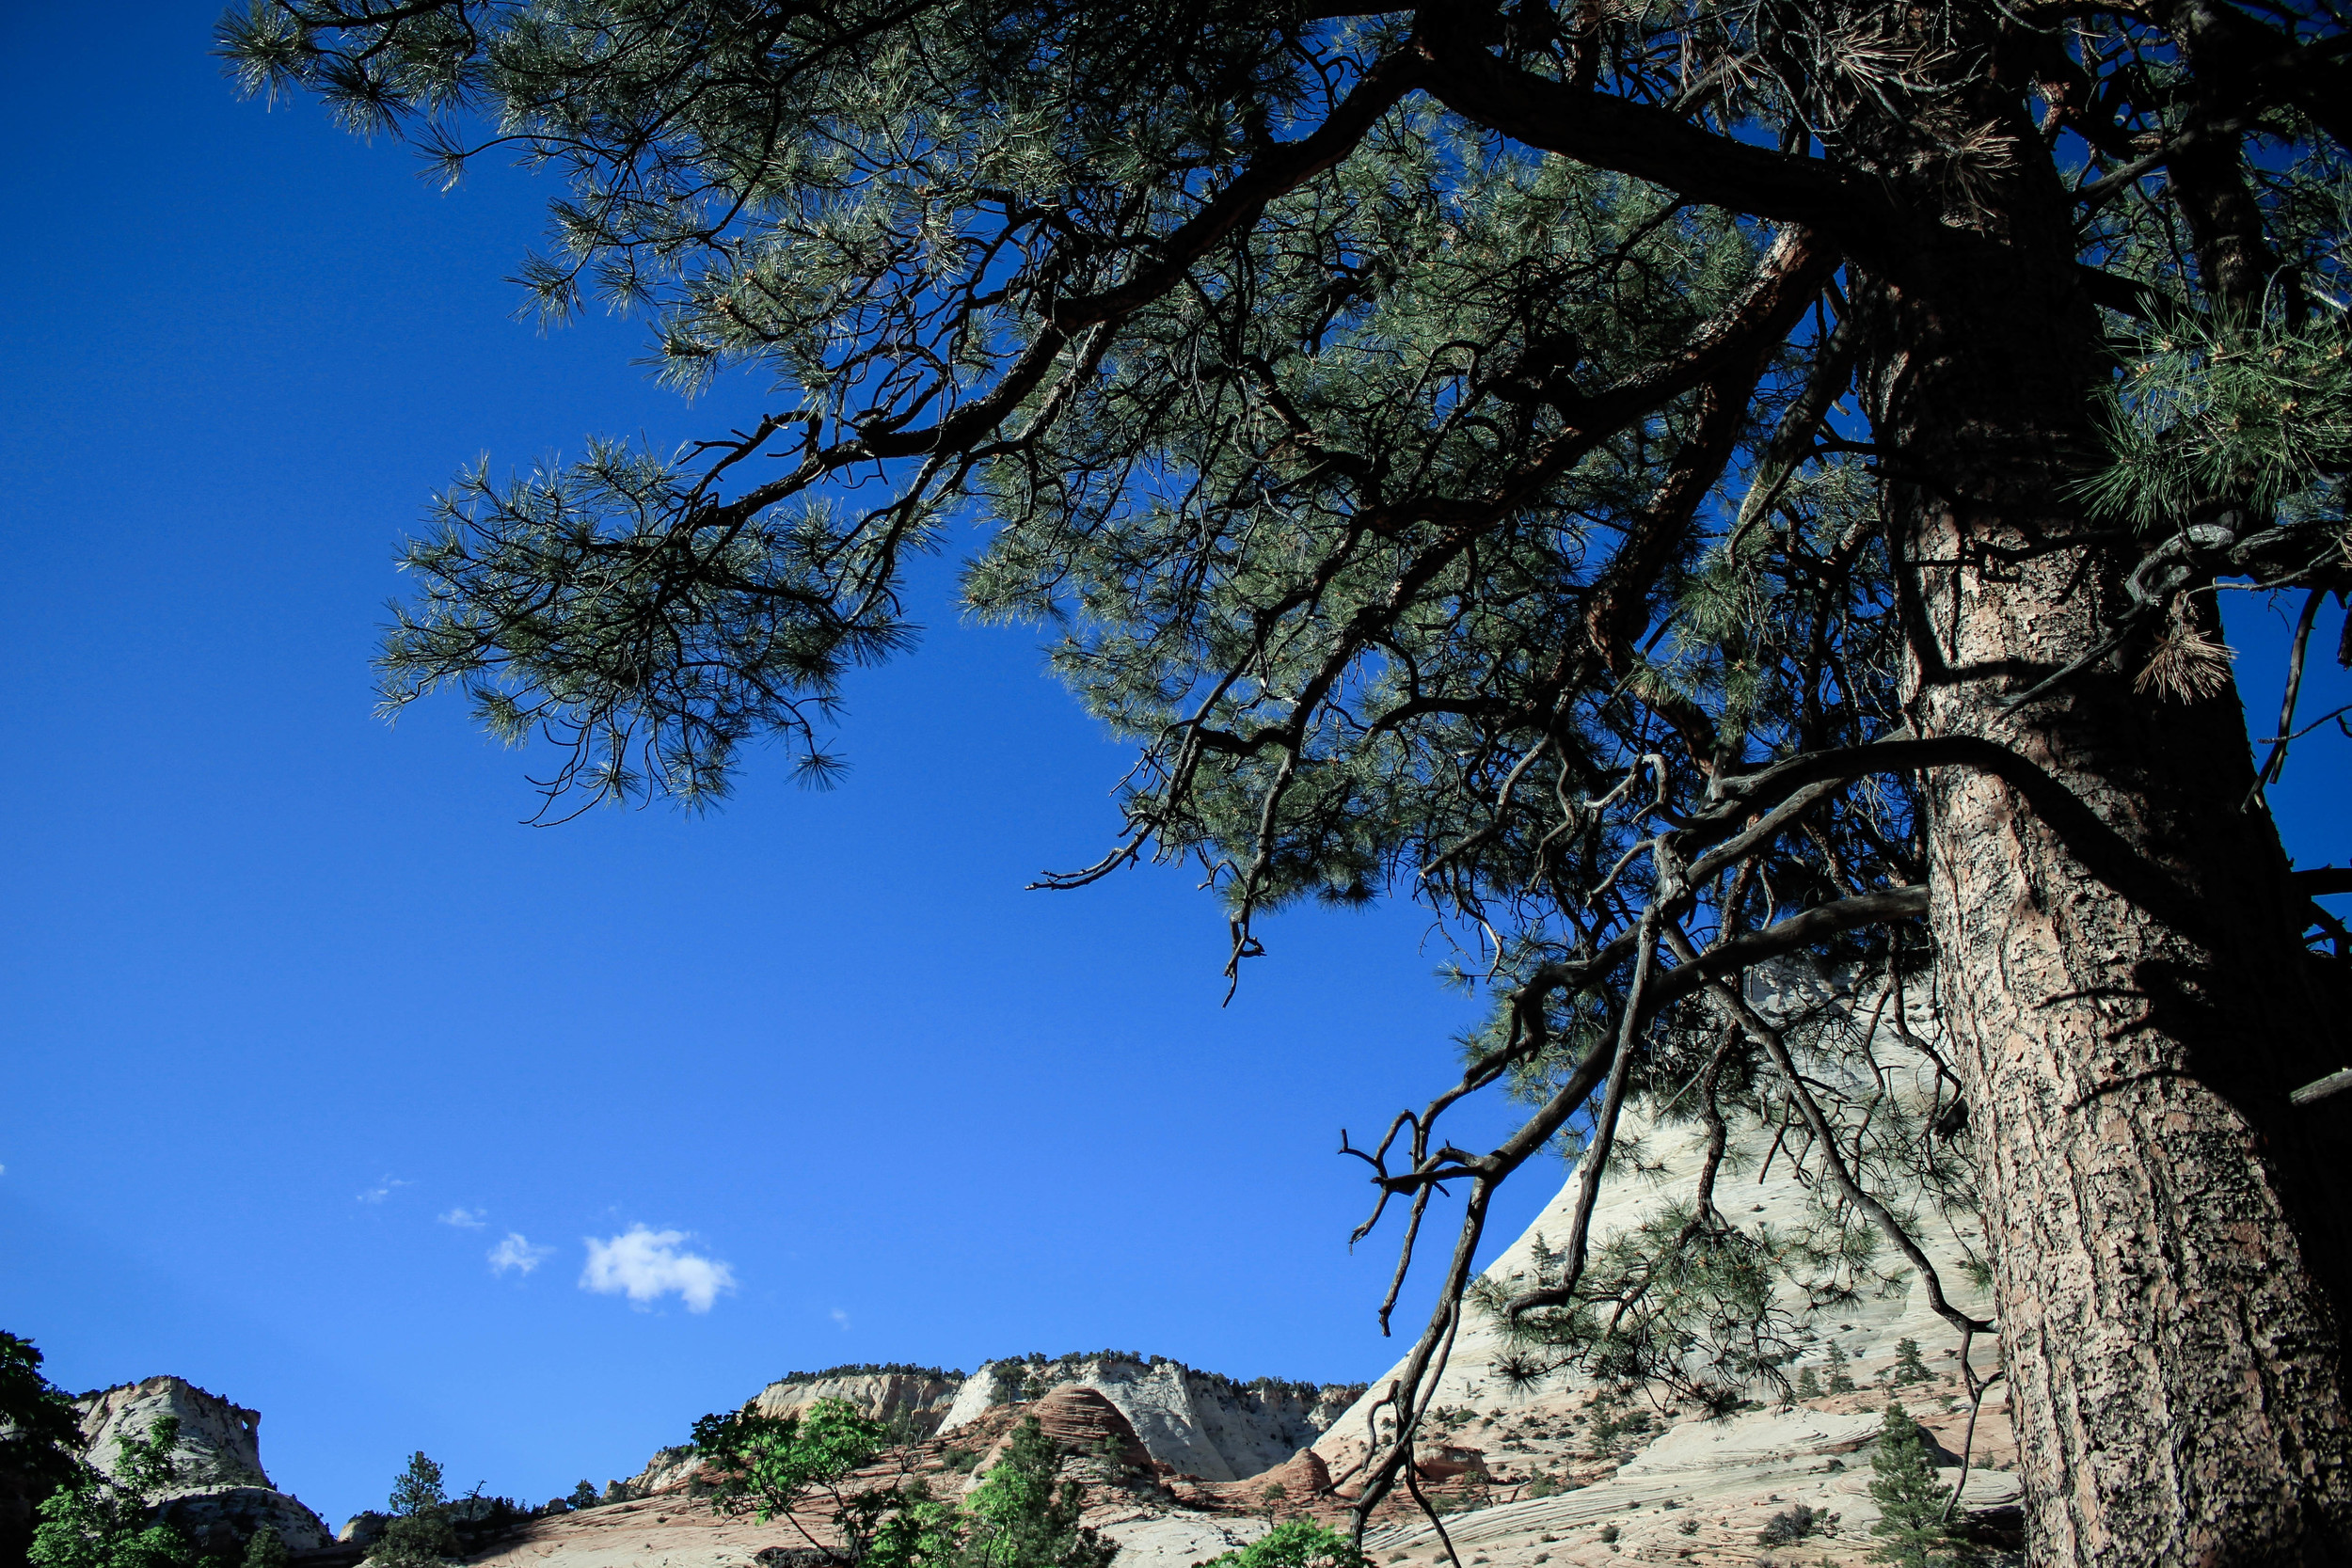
{"points": [[221, 1492]]}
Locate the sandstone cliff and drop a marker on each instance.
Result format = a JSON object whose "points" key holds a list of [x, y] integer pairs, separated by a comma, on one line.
{"points": [[920, 1399], [221, 1495], [1198, 1423]]}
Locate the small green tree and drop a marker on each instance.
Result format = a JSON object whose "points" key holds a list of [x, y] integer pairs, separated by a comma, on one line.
{"points": [[586, 1495], [1020, 1518], [100, 1521], [1911, 1529], [1808, 1385], [1840, 1382], [1908, 1366], [768, 1465], [420, 1534], [1295, 1544], [267, 1549]]}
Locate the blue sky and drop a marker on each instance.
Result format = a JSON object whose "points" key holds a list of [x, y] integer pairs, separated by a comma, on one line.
{"points": [[300, 1026]]}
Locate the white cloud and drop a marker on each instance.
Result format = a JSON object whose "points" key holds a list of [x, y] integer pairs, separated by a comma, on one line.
{"points": [[842, 1317], [383, 1189], [516, 1252], [647, 1265], [465, 1218]]}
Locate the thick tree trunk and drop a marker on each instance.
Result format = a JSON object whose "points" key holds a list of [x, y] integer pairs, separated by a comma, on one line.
{"points": [[2129, 1007]]}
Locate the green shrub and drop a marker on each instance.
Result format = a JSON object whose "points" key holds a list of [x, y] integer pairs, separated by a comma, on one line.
{"points": [[1018, 1518], [1295, 1544], [1793, 1524]]}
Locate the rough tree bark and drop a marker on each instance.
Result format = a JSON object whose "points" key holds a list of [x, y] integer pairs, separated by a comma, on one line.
{"points": [[2171, 1238]]}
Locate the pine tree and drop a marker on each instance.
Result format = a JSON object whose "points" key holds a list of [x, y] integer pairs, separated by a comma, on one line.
{"points": [[1840, 1381], [1808, 1385], [1614, 474], [418, 1534], [1908, 1366], [585, 1496], [1909, 1527]]}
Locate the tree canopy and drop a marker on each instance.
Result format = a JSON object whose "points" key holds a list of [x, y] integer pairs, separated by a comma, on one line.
{"points": [[1664, 482]]}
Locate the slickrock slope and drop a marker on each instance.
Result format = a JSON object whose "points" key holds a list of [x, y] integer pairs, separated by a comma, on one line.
{"points": [[1668, 1483], [223, 1494], [1158, 1522]]}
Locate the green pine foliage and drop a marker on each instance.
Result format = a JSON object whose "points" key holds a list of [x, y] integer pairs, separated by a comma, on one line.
{"points": [[1908, 1366], [1840, 1380], [1910, 1528], [1683, 1302], [418, 1534], [40, 1438], [585, 1495], [2216, 406], [100, 1521], [1808, 1384]]}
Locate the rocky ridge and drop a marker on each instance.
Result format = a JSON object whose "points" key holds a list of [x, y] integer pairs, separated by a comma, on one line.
{"points": [[1199, 1424], [1203, 1426]]}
